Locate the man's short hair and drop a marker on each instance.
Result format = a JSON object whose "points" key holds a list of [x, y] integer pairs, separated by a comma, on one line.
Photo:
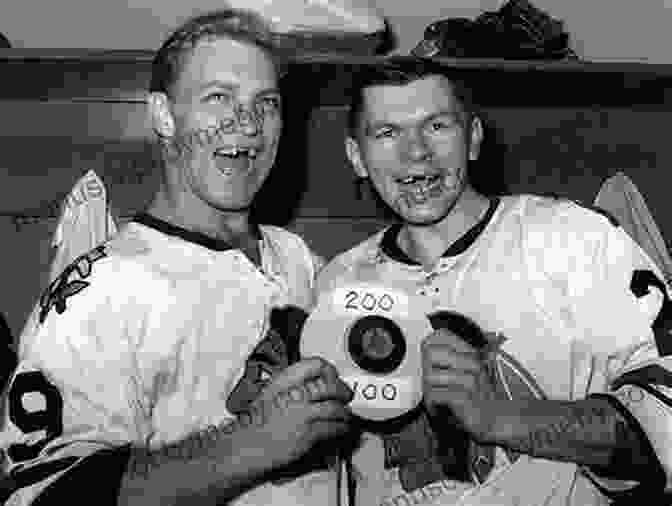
{"points": [[399, 71], [236, 24]]}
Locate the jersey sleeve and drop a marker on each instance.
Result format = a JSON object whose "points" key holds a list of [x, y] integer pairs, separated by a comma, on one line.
{"points": [[618, 310], [74, 402]]}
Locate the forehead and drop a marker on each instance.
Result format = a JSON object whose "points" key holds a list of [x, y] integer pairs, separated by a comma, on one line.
{"points": [[406, 102], [229, 61]]}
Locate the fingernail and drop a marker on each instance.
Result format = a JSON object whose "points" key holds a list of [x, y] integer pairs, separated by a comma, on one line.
{"points": [[321, 384], [313, 388]]}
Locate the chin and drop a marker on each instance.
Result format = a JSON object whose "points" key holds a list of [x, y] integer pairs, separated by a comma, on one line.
{"points": [[425, 218], [235, 207], [423, 221], [231, 205]]}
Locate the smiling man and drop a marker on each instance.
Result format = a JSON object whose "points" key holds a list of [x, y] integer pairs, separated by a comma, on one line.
{"points": [[573, 406], [158, 366]]}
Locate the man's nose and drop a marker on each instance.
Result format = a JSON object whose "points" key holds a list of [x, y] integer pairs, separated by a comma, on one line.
{"points": [[247, 120], [416, 147]]}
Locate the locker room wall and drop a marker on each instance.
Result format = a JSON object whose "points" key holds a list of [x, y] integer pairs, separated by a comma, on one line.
{"points": [[45, 146]]}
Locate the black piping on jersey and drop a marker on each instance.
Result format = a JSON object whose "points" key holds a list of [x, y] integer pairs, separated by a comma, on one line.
{"points": [[651, 391], [656, 478], [650, 374], [32, 475], [390, 247], [199, 238]]}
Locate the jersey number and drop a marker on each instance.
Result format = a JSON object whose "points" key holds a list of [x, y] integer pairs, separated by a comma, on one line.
{"points": [[49, 419]]}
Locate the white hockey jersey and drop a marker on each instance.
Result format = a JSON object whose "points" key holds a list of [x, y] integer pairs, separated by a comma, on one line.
{"points": [[576, 301], [156, 334]]}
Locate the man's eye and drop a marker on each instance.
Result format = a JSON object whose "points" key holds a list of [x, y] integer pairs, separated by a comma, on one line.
{"points": [[445, 123], [219, 98], [384, 133], [438, 126], [270, 103]]}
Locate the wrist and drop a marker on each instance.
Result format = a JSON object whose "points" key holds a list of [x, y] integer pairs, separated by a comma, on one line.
{"points": [[504, 422]]}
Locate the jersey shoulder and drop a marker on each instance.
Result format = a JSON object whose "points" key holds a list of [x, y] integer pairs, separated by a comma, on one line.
{"points": [[101, 272], [553, 227], [555, 211]]}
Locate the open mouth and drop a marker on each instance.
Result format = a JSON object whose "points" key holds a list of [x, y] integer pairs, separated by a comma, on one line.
{"points": [[232, 159], [425, 180], [236, 151], [418, 189]]}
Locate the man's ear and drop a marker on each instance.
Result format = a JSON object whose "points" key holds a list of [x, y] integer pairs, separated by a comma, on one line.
{"points": [[160, 115], [475, 138], [355, 157]]}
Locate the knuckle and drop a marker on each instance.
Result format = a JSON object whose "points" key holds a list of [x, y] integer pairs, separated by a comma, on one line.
{"points": [[316, 362]]}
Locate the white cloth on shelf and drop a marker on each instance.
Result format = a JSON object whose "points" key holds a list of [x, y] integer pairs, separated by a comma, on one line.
{"points": [[85, 222], [620, 197], [325, 16]]}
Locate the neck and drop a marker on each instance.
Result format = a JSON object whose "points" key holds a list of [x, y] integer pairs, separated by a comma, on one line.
{"points": [[426, 244], [193, 214]]}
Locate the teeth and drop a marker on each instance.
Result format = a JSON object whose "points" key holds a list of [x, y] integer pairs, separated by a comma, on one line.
{"points": [[235, 151], [227, 152], [416, 179]]}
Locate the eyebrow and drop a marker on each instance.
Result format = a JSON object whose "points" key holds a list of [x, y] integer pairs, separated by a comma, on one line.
{"points": [[235, 87], [375, 125], [218, 84]]}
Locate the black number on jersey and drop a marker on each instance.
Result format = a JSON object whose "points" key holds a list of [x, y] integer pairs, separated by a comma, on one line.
{"points": [[49, 419], [639, 285]]}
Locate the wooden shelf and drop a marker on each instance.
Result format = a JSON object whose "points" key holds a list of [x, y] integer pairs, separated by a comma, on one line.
{"points": [[123, 76]]}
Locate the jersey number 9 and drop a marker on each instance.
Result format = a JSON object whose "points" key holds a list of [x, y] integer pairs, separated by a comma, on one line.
{"points": [[49, 419]]}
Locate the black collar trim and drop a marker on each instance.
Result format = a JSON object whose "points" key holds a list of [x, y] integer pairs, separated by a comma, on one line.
{"points": [[390, 247], [188, 235]]}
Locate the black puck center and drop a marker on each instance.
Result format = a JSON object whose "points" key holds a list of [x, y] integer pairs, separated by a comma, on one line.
{"points": [[376, 344]]}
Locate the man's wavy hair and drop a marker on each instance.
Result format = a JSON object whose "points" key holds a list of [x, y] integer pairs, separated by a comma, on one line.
{"points": [[236, 24], [399, 71]]}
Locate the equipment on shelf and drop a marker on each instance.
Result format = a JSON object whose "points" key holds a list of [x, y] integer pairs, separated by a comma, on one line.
{"points": [[517, 31]]}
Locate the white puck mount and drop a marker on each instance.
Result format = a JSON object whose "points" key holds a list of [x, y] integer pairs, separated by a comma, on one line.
{"points": [[372, 335]]}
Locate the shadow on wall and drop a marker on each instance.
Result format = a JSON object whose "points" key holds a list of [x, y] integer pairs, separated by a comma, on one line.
{"points": [[279, 198], [488, 173]]}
